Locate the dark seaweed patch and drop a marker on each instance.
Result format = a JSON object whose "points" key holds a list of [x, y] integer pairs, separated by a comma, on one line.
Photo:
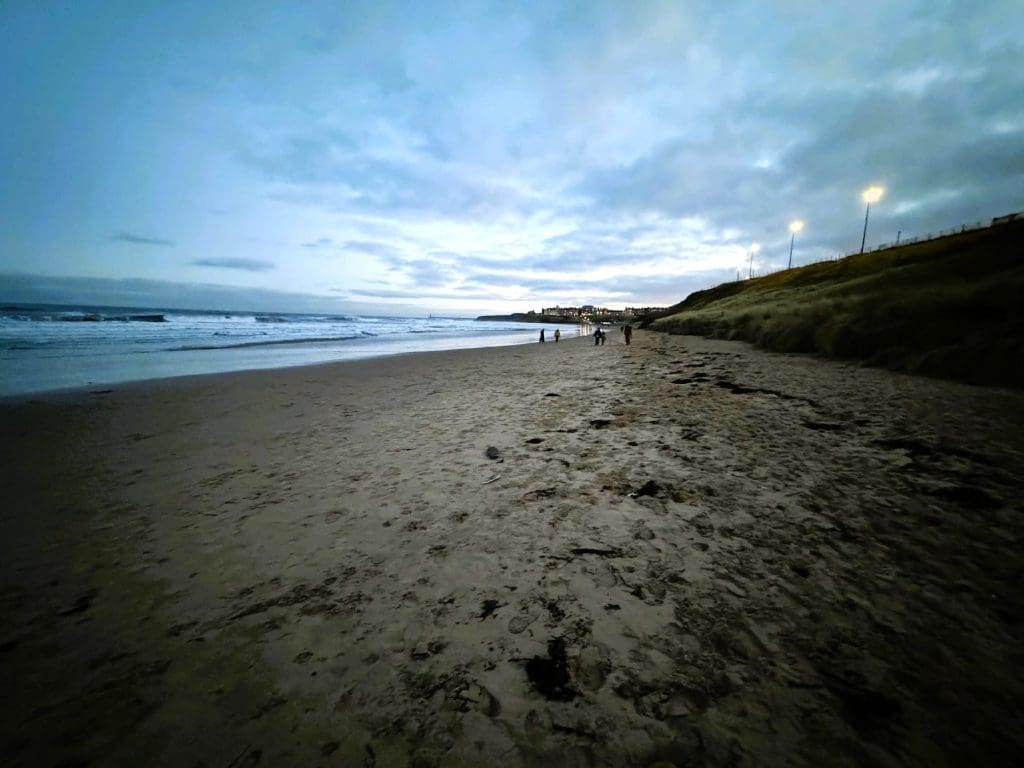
{"points": [[549, 674]]}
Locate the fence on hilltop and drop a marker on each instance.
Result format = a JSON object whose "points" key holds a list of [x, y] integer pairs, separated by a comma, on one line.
{"points": [[899, 243]]}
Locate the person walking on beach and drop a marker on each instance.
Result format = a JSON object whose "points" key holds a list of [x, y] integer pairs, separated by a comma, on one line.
{"points": [[597, 337], [603, 337], [541, 335], [558, 334], [627, 329]]}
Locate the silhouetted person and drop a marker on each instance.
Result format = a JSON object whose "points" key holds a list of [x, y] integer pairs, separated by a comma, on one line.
{"points": [[597, 337], [628, 331], [541, 335]]}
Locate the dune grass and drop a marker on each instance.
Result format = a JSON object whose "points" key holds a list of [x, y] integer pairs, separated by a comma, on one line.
{"points": [[952, 307]]}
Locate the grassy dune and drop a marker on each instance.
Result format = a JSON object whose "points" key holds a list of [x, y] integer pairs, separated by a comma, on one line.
{"points": [[951, 307]]}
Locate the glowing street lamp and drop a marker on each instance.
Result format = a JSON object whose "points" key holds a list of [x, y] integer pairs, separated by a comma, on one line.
{"points": [[794, 227], [753, 249], [870, 195]]}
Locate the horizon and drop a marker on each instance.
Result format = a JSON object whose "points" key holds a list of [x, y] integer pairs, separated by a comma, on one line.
{"points": [[218, 310], [387, 159], [240, 309]]}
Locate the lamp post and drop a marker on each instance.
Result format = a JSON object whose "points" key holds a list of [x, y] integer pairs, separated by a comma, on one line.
{"points": [[870, 195], [794, 227], [753, 249]]}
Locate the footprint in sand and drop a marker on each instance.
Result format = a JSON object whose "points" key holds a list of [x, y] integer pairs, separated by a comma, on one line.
{"points": [[605, 576], [590, 668], [518, 624], [652, 592], [477, 697], [641, 531]]}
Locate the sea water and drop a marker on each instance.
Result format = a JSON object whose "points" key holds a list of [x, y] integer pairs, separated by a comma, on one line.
{"points": [[47, 347]]}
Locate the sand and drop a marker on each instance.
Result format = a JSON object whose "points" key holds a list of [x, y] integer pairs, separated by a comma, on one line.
{"points": [[685, 550]]}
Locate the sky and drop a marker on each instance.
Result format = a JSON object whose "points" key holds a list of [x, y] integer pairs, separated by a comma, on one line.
{"points": [[486, 156]]}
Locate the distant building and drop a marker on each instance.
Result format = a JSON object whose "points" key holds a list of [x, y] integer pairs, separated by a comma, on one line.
{"points": [[589, 310], [558, 311]]}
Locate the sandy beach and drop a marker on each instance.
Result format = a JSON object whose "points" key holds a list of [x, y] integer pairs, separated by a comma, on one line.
{"points": [[680, 550]]}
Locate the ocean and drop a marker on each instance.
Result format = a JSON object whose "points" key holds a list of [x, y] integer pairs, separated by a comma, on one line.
{"points": [[49, 347]]}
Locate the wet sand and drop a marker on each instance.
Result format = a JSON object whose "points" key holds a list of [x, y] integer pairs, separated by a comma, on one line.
{"points": [[684, 550]]}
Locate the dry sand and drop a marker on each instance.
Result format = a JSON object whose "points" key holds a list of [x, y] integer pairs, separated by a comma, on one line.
{"points": [[687, 550]]}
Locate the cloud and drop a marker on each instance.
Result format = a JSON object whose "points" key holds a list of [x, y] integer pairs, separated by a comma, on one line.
{"points": [[428, 273], [547, 151], [650, 289], [137, 292], [384, 251], [247, 265], [644, 148], [413, 293], [128, 237], [808, 152], [657, 134]]}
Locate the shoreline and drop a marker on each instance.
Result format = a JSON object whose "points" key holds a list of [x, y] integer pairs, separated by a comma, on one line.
{"points": [[256, 367], [686, 550], [80, 393]]}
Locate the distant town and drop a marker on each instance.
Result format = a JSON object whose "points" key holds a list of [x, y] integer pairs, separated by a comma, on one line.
{"points": [[582, 314]]}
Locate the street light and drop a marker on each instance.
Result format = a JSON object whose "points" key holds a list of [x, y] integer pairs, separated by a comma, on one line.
{"points": [[753, 249], [870, 195], [794, 227]]}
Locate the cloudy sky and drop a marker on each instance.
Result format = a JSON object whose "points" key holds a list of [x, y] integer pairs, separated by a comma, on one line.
{"points": [[473, 156]]}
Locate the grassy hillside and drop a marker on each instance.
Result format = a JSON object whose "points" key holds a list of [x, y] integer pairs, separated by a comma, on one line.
{"points": [[951, 307]]}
